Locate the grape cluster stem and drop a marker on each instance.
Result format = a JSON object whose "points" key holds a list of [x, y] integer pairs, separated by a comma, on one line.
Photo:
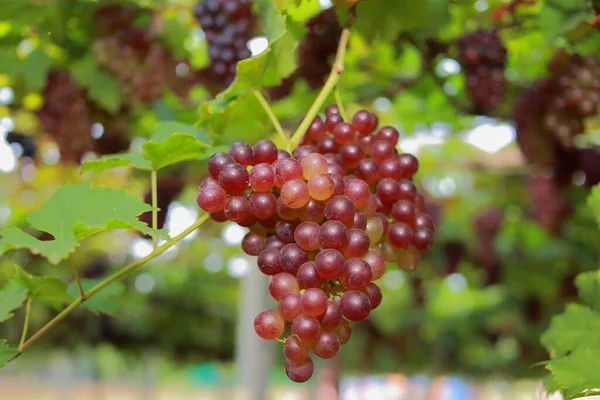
{"points": [[115, 277]]}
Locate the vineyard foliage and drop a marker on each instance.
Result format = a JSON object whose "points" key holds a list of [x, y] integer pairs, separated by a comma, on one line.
{"points": [[111, 110]]}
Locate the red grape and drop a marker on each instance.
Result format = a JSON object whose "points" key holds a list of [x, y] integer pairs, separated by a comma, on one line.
{"points": [[269, 324]]}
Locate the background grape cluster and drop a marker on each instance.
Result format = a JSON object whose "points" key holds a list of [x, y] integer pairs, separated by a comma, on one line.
{"points": [[323, 223], [228, 26], [483, 58]]}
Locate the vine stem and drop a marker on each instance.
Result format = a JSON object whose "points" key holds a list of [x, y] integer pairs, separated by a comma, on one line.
{"points": [[115, 277], [276, 124], [26, 323], [154, 185], [340, 104], [76, 276], [332, 80]]}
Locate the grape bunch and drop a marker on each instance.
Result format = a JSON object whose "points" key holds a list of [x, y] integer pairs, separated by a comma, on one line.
{"points": [[228, 25], [483, 58], [551, 113], [548, 204], [323, 223]]}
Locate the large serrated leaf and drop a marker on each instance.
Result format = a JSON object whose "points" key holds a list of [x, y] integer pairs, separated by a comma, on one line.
{"points": [[75, 212], [102, 87], [43, 289], [105, 301], [6, 353], [577, 372], [577, 326], [176, 148], [12, 297]]}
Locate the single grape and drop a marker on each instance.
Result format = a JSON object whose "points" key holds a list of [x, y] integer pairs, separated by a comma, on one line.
{"points": [[268, 261], [332, 121], [343, 331], [265, 151], [338, 184], [388, 191], [294, 350], [355, 305], [313, 302], [360, 221], [286, 213], [306, 236], [317, 130], [253, 244], [283, 284], [242, 153], [212, 198], [269, 324], [327, 145], [321, 187], [303, 151], [295, 194], [382, 150], [376, 261], [358, 244], [340, 208], [407, 259], [390, 168], [330, 264], [332, 110], [358, 191], [307, 276], [407, 190], [285, 230], [333, 235], [374, 229], [262, 177], [281, 154], [400, 235], [404, 211], [357, 274], [217, 161], [313, 164], [351, 155], [313, 211], [210, 181], [289, 306], [409, 165], [422, 220], [234, 178], [299, 372], [374, 294], [368, 171], [327, 346], [335, 168], [343, 133], [389, 134], [292, 257], [238, 209], [273, 242], [423, 238], [307, 328], [332, 316], [263, 205], [287, 169], [365, 122]]}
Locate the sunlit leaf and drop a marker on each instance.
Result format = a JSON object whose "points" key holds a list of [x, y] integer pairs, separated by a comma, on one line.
{"points": [[12, 296]]}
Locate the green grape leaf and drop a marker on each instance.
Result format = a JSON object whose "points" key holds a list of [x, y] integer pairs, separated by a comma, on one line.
{"points": [[550, 384], [102, 87], [10, 63], [576, 327], [561, 17], [109, 161], [105, 301], [44, 289], [384, 19], [35, 68], [594, 202], [6, 353], [12, 297], [577, 372], [164, 129], [588, 285], [177, 147], [75, 212]]}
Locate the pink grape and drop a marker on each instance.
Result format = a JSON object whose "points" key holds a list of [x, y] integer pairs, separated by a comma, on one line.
{"points": [[283, 284], [269, 324], [313, 302], [299, 372], [294, 193]]}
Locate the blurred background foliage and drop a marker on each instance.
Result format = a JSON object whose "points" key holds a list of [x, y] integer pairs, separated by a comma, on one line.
{"points": [[512, 234]]}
